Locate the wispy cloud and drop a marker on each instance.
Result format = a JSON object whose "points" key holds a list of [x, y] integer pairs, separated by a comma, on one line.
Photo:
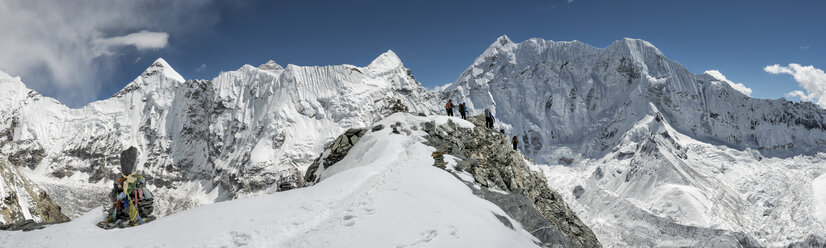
{"points": [[63, 48], [142, 40], [811, 79], [737, 86], [804, 47], [201, 68]]}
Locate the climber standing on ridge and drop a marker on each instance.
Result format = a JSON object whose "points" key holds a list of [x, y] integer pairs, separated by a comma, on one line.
{"points": [[462, 110], [488, 120], [449, 107], [515, 141]]}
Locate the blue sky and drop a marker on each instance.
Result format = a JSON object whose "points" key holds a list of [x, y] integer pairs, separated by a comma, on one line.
{"points": [[437, 40]]}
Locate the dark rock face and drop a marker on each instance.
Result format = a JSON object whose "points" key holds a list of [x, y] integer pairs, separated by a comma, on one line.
{"points": [[578, 191], [25, 225], [487, 155], [521, 208], [21, 196], [127, 160], [333, 153]]}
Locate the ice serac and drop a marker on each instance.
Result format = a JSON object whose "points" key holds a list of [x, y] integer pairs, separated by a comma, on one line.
{"points": [[246, 132], [676, 151]]}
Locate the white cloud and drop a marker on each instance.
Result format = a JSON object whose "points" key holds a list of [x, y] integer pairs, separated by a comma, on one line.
{"points": [[142, 40], [737, 86], [804, 47], [60, 48], [811, 79], [201, 68], [799, 94]]}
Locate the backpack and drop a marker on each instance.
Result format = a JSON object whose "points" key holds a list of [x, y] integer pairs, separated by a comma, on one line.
{"points": [[448, 105]]}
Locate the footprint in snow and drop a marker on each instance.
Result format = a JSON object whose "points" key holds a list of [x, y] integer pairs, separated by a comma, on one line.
{"points": [[348, 220]]}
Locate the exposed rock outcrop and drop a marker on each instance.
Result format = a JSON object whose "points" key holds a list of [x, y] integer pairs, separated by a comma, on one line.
{"points": [[333, 153], [22, 200], [486, 154]]}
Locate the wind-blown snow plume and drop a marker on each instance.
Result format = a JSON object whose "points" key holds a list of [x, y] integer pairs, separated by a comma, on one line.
{"points": [[812, 79]]}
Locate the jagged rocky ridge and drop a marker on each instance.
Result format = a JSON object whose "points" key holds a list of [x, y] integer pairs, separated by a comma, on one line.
{"points": [[488, 156], [498, 174]]}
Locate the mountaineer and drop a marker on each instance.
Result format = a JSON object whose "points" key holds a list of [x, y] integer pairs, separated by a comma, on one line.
{"points": [[449, 107], [463, 110], [515, 141], [488, 118]]}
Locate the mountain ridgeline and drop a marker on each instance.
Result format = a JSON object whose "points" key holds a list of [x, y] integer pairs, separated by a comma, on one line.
{"points": [[569, 94], [622, 128]]}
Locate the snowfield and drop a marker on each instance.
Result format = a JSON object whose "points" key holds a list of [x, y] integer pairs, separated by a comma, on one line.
{"points": [[384, 193]]}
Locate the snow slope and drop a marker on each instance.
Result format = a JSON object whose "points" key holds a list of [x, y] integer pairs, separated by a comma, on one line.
{"points": [[684, 157], [385, 193], [246, 132]]}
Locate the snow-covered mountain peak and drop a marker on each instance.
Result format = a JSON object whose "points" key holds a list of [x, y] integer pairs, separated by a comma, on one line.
{"points": [[13, 91], [502, 40], [386, 61], [4, 75], [270, 66], [161, 66], [159, 75]]}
